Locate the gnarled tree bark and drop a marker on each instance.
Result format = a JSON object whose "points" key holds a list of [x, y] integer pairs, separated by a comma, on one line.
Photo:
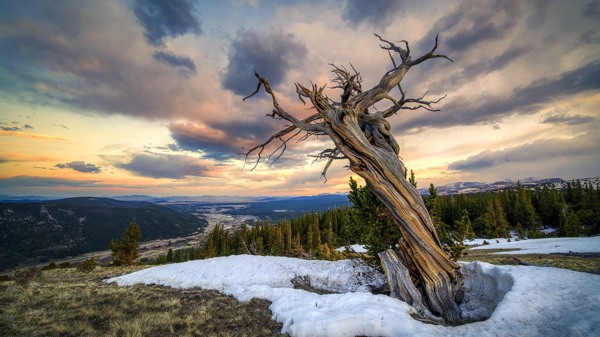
{"points": [[362, 137]]}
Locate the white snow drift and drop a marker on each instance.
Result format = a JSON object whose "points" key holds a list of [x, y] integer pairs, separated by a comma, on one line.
{"points": [[519, 300], [546, 246]]}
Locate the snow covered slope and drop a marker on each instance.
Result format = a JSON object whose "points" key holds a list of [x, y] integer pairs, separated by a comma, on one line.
{"points": [[519, 300]]}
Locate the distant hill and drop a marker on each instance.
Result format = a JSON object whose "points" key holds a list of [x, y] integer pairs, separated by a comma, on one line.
{"points": [[66, 227], [477, 187], [292, 207]]}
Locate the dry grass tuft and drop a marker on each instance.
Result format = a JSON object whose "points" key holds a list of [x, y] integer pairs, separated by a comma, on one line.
{"points": [[67, 302]]}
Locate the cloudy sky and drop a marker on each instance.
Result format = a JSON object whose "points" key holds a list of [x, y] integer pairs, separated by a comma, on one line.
{"points": [[145, 97]]}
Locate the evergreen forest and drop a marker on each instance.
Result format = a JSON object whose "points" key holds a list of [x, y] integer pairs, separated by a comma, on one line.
{"points": [[518, 212]]}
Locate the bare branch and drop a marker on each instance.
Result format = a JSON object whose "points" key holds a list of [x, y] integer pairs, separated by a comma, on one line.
{"points": [[257, 87], [420, 102], [279, 111], [430, 55], [283, 147], [331, 155]]}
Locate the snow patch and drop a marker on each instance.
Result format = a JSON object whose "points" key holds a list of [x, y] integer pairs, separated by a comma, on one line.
{"points": [[548, 246], [519, 300], [353, 248], [485, 286]]}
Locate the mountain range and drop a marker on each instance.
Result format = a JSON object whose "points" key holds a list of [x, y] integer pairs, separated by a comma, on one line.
{"points": [[529, 183]]}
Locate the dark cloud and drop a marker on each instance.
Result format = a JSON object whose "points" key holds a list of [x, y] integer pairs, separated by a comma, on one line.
{"points": [[80, 166], [473, 23], [49, 62], [563, 118], [539, 13], [482, 67], [535, 152], [592, 10], [182, 63], [590, 37], [271, 53], [163, 19], [27, 126], [164, 166], [223, 140], [33, 181], [524, 100], [10, 128], [377, 13]]}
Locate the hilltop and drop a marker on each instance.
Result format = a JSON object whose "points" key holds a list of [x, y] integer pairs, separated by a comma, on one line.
{"points": [[59, 228]]}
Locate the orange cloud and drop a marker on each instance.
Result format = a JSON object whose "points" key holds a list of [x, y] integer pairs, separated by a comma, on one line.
{"points": [[31, 135]]}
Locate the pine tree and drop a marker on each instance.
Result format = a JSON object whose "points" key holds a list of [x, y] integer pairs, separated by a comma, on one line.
{"points": [[573, 225], [209, 249], [464, 227], [412, 179], [316, 237], [369, 223], [125, 250], [310, 242], [330, 240], [489, 220], [169, 258], [442, 229], [520, 231], [502, 226]]}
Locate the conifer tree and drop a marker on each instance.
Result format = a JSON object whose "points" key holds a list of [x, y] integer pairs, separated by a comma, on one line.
{"points": [[125, 250], [330, 244], [169, 258], [412, 179], [369, 223], [520, 230], [502, 226], [288, 239], [489, 220], [573, 225], [316, 237], [464, 227]]}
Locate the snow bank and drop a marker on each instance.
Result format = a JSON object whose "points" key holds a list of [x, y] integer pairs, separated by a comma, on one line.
{"points": [[485, 286], [519, 300], [242, 271], [354, 248], [547, 246], [494, 241]]}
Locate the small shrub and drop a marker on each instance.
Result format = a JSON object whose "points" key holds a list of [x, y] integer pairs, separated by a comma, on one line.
{"points": [[4, 278], [87, 265], [485, 242], [509, 240], [23, 277], [64, 265], [50, 266]]}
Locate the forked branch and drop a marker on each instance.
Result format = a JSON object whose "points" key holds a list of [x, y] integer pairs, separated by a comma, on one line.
{"points": [[308, 124]]}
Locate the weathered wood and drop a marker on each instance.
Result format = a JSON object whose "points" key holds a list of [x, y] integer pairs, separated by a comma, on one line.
{"points": [[364, 139], [399, 281]]}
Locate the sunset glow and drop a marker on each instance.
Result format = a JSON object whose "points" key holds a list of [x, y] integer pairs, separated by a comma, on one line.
{"points": [[116, 97]]}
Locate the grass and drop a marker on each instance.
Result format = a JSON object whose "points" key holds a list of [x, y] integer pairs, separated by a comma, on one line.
{"points": [[583, 264], [68, 302]]}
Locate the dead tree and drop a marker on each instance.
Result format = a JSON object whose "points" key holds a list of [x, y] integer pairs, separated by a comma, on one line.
{"points": [[420, 272]]}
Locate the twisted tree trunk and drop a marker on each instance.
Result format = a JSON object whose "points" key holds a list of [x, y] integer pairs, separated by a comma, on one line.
{"points": [[420, 250], [420, 272]]}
